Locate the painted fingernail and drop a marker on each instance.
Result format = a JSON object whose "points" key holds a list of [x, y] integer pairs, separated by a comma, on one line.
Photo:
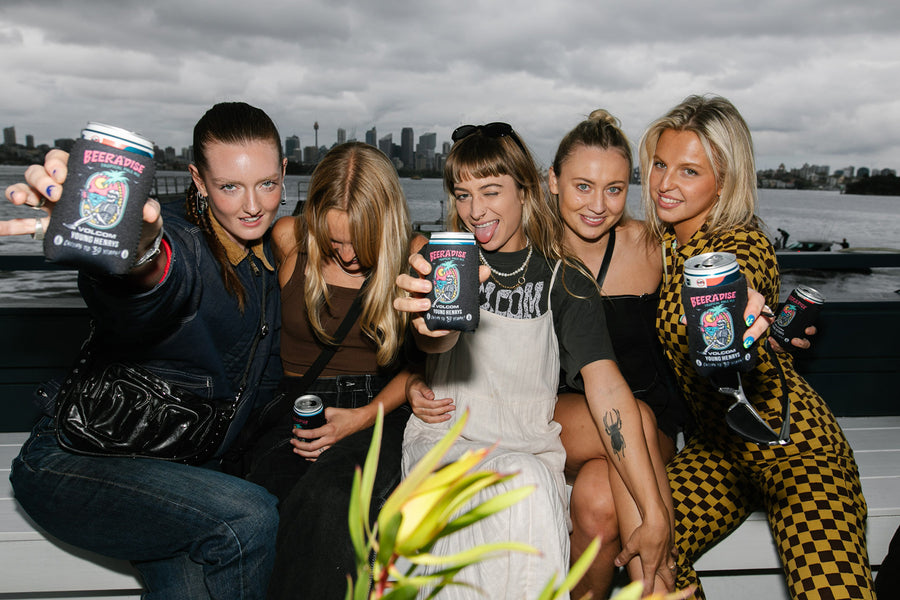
{"points": [[50, 190], [748, 341], [750, 319]]}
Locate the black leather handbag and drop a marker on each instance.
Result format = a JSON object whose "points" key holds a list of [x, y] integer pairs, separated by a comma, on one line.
{"points": [[122, 409]]}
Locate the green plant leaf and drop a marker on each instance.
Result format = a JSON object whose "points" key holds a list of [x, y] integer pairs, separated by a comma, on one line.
{"points": [[387, 540], [577, 571], [487, 508], [422, 470], [354, 519], [472, 555], [370, 469]]}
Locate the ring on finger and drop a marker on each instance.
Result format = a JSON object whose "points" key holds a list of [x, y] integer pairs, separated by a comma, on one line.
{"points": [[38, 233], [40, 204]]}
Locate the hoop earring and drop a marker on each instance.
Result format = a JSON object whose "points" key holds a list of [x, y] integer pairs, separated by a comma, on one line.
{"points": [[283, 194], [201, 203]]}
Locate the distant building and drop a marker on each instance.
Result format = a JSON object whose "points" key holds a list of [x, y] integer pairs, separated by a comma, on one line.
{"points": [[292, 148], [386, 144], [446, 148], [9, 136], [29, 141], [862, 172], [310, 155], [341, 135], [407, 151], [425, 149], [372, 137]]}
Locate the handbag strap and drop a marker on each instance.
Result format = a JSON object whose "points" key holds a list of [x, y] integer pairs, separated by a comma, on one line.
{"points": [[275, 409]]}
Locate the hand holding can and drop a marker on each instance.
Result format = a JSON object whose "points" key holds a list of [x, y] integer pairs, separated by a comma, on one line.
{"points": [[97, 222], [798, 312]]}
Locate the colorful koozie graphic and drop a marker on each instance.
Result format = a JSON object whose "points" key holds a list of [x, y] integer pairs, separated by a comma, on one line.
{"points": [[446, 283], [103, 200], [717, 328]]}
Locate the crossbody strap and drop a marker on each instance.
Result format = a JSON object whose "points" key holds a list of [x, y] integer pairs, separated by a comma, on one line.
{"points": [[274, 410]]}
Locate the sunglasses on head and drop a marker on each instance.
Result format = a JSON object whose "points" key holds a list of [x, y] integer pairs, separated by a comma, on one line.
{"points": [[491, 130], [744, 420]]}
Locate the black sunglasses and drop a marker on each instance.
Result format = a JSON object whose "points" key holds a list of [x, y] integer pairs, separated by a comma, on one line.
{"points": [[744, 420], [492, 130]]}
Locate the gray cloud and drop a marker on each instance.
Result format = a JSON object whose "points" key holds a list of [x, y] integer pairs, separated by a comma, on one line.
{"points": [[816, 80]]}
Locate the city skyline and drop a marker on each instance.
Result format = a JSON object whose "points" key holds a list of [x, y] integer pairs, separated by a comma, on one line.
{"points": [[372, 137], [818, 81]]}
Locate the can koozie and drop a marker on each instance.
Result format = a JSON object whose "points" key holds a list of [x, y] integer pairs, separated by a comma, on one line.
{"points": [[454, 277], [797, 313], [97, 222], [714, 297]]}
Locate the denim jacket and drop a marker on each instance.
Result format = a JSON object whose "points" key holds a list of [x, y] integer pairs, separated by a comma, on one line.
{"points": [[189, 329]]}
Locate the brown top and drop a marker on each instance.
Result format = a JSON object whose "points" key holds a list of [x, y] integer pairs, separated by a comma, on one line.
{"points": [[299, 345]]}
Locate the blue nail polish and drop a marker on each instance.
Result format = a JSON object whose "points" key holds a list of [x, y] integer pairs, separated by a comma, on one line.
{"points": [[750, 319], [50, 189], [748, 341]]}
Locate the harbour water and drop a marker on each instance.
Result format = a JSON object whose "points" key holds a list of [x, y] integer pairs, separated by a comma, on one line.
{"points": [[865, 221]]}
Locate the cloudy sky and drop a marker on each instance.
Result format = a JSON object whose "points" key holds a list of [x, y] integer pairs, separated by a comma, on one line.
{"points": [[817, 80]]}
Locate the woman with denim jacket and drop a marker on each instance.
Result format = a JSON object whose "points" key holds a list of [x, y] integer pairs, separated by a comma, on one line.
{"points": [[353, 238], [189, 314]]}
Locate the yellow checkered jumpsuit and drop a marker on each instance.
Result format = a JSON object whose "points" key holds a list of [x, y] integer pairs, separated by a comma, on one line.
{"points": [[809, 488]]}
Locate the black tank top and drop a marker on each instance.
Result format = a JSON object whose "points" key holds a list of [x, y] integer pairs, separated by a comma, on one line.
{"points": [[631, 321]]}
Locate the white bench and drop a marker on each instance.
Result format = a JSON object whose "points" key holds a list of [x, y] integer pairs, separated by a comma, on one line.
{"points": [[34, 565], [744, 565]]}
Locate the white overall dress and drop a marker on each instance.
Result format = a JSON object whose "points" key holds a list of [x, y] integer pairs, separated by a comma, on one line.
{"points": [[506, 375]]}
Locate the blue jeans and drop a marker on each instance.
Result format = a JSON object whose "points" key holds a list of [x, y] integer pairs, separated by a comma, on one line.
{"points": [[314, 553], [192, 532]]}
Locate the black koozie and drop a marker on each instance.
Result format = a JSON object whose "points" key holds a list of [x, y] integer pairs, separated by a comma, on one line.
{"points": [[454, 295], [794, 316], [97, 222], [715, 325]]}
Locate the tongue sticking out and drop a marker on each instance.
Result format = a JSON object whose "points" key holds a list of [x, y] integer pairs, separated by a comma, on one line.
{"points": [[484, 234]]}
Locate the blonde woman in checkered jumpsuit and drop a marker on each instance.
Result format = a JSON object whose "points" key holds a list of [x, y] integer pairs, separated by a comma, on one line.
{"points": [[699, 195]]}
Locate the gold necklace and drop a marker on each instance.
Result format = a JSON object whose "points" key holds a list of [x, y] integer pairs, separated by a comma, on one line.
{"points": [[495, 273]]}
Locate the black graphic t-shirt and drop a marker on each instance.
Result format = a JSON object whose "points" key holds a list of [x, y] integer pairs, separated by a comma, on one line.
{"points": [[578, 317]]}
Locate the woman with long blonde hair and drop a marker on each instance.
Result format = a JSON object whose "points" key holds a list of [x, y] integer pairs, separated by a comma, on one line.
{"points": [[352, 239], [699, 196]]}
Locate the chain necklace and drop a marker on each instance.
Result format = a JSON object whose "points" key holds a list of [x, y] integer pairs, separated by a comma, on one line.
{"points": [[495, 273], [346, 272]]}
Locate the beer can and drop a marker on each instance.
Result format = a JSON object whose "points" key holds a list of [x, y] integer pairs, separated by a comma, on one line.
{"points": [[454, 277], [798, 312], [108, 135], [711, 269], [309, 412], [714, 297]]}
